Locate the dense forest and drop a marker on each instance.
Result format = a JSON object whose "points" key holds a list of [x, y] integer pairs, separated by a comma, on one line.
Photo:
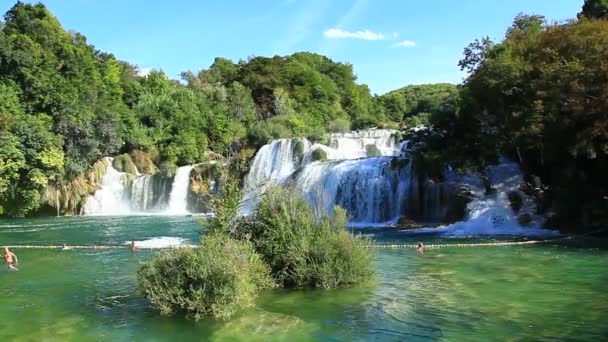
{"points": [[538, 96], [65, 104]]}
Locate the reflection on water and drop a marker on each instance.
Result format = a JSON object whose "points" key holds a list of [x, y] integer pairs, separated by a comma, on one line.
{"points": [[455, 294]]}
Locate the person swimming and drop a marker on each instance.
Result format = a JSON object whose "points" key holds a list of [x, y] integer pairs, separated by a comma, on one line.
{"points": [[132, 247], [420, 247], [10, 259]]}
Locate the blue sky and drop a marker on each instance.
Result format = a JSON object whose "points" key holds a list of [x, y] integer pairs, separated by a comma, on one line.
{"points": [[391, 43]]}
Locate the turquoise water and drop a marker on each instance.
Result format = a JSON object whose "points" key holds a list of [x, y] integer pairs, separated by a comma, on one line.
{"points": [[552, 291]]}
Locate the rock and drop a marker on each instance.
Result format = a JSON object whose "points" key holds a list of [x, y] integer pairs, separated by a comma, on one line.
{"points": [[298, 150], [143, 162], [124, 163], [516, 200], [406, 223], [373, 151], [318, 154], [210, 155], [525, 219]]}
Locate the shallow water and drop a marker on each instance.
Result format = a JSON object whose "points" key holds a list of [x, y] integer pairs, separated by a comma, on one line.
{"points": [[543, 292]]}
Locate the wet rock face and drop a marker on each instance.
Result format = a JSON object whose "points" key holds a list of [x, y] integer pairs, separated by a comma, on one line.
{"points": [[407, 223], [319, 154], [457, 204], [516, 200], [124, 163], [143, 161], [204, 183], [525, 219]]}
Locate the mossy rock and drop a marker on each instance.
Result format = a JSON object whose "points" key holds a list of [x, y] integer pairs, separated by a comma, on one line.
{"points": [[406, 223], [298, 149], [373, 151], [516, 200], [525, 219], [399, 163], [318, 154], [124, 163], [143, 162]]}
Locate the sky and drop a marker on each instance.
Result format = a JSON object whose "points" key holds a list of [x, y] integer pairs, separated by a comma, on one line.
{"points": [[391, 43]]}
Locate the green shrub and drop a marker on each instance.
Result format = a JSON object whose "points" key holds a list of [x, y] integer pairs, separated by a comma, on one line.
{"points": [[305, 247], [339, 125], [216, 280]]}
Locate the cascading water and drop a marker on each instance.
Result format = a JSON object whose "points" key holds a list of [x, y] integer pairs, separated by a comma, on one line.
{"points": [[111, 198], [379, 190], [142, 195], [370, 189], [178, 200]]}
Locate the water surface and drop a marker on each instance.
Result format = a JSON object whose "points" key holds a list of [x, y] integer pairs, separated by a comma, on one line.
{"points": [[554, 291]]}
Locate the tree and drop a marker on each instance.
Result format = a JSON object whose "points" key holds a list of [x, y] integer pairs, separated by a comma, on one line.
{"points": [[595, 9]]}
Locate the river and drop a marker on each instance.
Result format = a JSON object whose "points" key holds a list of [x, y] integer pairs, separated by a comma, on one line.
{"points": [[550, 291]]}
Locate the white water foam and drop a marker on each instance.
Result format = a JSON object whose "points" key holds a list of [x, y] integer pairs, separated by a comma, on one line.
{"points": [[160, 242], [111, 198], [492, 214]]}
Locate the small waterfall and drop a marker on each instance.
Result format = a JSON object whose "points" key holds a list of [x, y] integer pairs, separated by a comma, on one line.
{"points": [[111, 199], [492, 213], [178, 200], [142, 194], [353, 145]]}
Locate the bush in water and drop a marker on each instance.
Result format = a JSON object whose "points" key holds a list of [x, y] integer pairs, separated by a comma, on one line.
{"points": [[217, 279], [303, 246]]}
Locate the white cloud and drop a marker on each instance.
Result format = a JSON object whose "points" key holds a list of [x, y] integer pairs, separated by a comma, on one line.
{"points": [[406, 43], [336, 33], [143, 72]]}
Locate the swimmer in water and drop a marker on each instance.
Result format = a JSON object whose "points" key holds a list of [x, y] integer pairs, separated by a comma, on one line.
{"points": [[420, 247], [10, 259], [132, 247]]}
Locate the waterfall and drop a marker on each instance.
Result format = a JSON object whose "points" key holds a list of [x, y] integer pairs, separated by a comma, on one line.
{"points": [[142, 194], [371, 190], [368, 188], [178, 200], [373, 177], [493, 213], [111, 198]]}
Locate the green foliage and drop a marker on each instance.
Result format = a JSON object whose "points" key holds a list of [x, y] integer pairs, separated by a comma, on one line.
{"points": [[305, 247], [434, 99], [69, 104], [539, 96], [595, 9], [217, 279]]}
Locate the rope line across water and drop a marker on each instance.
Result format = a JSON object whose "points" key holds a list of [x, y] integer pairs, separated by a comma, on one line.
{"points": [[429, 246]]}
